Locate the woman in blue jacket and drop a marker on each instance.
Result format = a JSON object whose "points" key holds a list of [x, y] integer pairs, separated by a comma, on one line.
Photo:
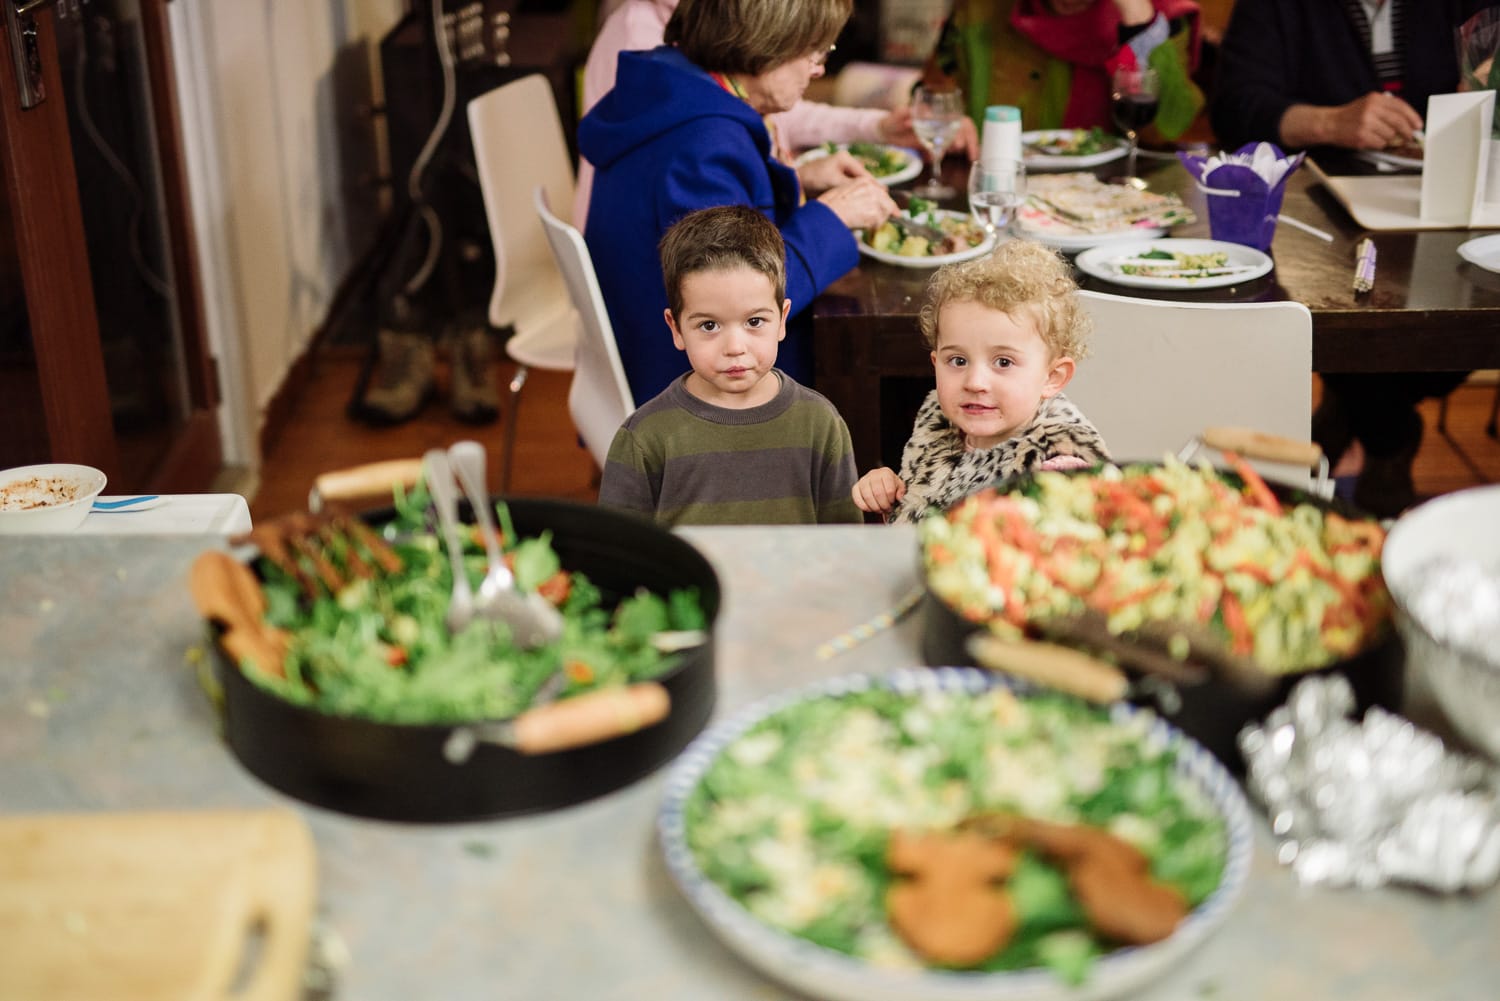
{"points": [[684, 129]]}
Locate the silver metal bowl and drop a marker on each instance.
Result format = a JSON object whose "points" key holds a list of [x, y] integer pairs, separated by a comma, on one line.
{"points": [[1433, 559]]}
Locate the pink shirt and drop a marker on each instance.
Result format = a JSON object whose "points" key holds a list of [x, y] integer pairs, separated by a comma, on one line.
{"points": [[640, 24]]}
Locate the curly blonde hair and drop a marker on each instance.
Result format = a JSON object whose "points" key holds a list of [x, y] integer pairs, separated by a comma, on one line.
{"points": [[1021, 278]]}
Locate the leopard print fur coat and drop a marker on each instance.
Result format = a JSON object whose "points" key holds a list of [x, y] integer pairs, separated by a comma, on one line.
{"points": [[938, 471]]}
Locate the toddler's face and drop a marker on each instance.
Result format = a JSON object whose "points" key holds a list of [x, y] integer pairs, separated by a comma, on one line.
{"points": [[993, 371], [730, 326]]}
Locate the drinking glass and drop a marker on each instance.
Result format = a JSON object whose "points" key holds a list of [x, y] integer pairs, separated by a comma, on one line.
{"points": [[996, 191], [936, 116], [1134, 95]]}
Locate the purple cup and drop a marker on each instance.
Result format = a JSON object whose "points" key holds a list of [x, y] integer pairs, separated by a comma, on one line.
{"points": [[1242, 208]]}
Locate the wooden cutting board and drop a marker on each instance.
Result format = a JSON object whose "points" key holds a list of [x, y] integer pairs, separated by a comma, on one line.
{"points": [[160, 906]]}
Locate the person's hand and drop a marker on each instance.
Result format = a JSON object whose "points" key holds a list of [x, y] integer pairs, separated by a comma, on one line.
{"points": [[860, 204], [829, 171], [1374, 121], [878, 491], [895, 128]]}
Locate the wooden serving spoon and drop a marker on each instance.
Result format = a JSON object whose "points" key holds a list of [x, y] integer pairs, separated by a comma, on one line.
{"points": [[226, 592]]}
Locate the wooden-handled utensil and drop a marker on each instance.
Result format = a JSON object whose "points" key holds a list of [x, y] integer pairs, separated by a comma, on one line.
{"points": [[1254, 444], [1059, 667], [371, 480], [557, 726]]}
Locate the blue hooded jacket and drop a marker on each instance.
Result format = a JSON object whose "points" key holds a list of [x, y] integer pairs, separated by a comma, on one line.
{"points": [[666, 141]]}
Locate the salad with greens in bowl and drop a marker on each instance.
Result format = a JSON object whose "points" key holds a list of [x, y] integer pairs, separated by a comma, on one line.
{"points": [[803, 830]]}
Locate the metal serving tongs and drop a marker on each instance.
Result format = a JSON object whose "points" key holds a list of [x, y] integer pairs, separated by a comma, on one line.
{"points": [[533, 620]]}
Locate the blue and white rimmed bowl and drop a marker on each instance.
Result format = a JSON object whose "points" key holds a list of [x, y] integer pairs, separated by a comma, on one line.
{"points": [[824, 973]]}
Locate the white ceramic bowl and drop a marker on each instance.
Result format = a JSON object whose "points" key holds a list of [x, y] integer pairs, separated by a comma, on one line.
{"points": [[823, 973], [1464, 525], [50, 498]]}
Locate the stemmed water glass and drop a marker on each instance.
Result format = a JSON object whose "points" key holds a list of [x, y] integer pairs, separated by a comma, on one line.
{"points": [[936, 116], [996, 191], [1135, 93]]}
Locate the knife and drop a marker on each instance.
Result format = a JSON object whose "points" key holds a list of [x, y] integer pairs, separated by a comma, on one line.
{"points": [[914, 228]]}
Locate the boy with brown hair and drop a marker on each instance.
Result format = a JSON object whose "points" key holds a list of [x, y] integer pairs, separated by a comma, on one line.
{"points": [[735, 440]]}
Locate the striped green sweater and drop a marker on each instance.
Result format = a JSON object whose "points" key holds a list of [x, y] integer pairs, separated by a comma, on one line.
{"points": [[681, 461]]}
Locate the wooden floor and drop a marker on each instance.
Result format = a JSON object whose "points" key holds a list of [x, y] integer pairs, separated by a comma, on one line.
{"points": [[549, 461]]}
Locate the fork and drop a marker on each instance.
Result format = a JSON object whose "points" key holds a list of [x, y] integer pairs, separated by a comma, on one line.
{"points": [[532, 619], [439, 476]]}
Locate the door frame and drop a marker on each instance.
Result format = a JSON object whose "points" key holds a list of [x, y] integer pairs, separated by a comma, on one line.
{"points": [[36, 160]]}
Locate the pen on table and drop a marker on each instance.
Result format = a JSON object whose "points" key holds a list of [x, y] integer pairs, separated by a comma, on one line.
{"points": [[1364, 267]]}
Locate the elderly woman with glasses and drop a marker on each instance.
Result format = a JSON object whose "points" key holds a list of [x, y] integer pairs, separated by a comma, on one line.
{"points": [[685, 128]]}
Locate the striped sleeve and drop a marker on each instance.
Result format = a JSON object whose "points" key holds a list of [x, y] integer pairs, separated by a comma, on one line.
{"points": [[626, 483]]}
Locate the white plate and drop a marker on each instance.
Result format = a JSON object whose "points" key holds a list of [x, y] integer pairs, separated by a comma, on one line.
{"points": [[1083, 241], [929, 262], [1049, 161], [912, 169], [1099, 263], [1482, 252], [1384, 159], [824, 973]]}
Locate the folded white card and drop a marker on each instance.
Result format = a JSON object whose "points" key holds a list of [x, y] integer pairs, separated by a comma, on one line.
{"points": [[1456, 160]]}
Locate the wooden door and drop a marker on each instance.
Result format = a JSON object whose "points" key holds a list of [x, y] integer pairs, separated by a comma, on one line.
{"points": [[102, 356]]}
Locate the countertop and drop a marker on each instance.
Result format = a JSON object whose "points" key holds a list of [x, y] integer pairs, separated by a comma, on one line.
{"points": [[100, 709]]}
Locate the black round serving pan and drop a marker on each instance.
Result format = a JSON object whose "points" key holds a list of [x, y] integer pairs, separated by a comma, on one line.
{"points": [[399, 772], [1212, 712]]}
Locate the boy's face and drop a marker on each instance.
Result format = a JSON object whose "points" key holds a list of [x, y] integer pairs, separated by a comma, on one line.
{"points": [[730, 326], [993, 371]]}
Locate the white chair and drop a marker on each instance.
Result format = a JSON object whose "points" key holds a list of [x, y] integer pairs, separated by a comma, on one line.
{"points": [[600, 398], [519, 145], [1159, 373]]}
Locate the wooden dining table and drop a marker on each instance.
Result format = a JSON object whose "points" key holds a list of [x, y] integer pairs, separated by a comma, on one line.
{"points": [[1429, 310]]}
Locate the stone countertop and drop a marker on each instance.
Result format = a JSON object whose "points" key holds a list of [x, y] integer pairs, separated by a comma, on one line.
{"points": [[100, 709]]}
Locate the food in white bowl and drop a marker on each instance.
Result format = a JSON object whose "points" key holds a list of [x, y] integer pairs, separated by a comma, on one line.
{"points": [[1442, 566], [785, 827], [52, 497]]}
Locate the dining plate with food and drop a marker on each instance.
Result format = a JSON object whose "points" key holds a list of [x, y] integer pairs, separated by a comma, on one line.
{"points": [[1069, 149], [888, 164], [943, 836], [1174, 263], [1076, 210], [925, 236]]}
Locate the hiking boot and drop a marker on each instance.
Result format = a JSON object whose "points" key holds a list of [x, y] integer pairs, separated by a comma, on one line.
{"points": [[472, 394], [403, 380]]}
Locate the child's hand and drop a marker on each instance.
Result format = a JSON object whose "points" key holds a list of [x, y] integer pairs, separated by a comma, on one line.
{"points": [[878, 491]]}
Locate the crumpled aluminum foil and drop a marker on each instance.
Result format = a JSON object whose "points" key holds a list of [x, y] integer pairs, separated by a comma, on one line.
{"points": [[1368, 803]]}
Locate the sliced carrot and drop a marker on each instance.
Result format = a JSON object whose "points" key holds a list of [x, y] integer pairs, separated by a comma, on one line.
{"points": [[1241, 640], [1254, 485]]}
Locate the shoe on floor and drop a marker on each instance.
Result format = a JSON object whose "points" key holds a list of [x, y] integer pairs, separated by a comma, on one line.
{"points": [[403, 379], [472, 393]]}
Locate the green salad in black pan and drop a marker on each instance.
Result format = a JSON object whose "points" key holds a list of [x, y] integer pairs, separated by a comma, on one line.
{"points": [[378, 648]]}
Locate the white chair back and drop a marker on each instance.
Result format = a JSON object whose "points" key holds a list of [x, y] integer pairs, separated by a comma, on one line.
{"points": [[1159, 373], [600, 398], [518, 145]]}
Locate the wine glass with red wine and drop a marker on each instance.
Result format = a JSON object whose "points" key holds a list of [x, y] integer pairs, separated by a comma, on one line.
{"points": [[1135, 93]]}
